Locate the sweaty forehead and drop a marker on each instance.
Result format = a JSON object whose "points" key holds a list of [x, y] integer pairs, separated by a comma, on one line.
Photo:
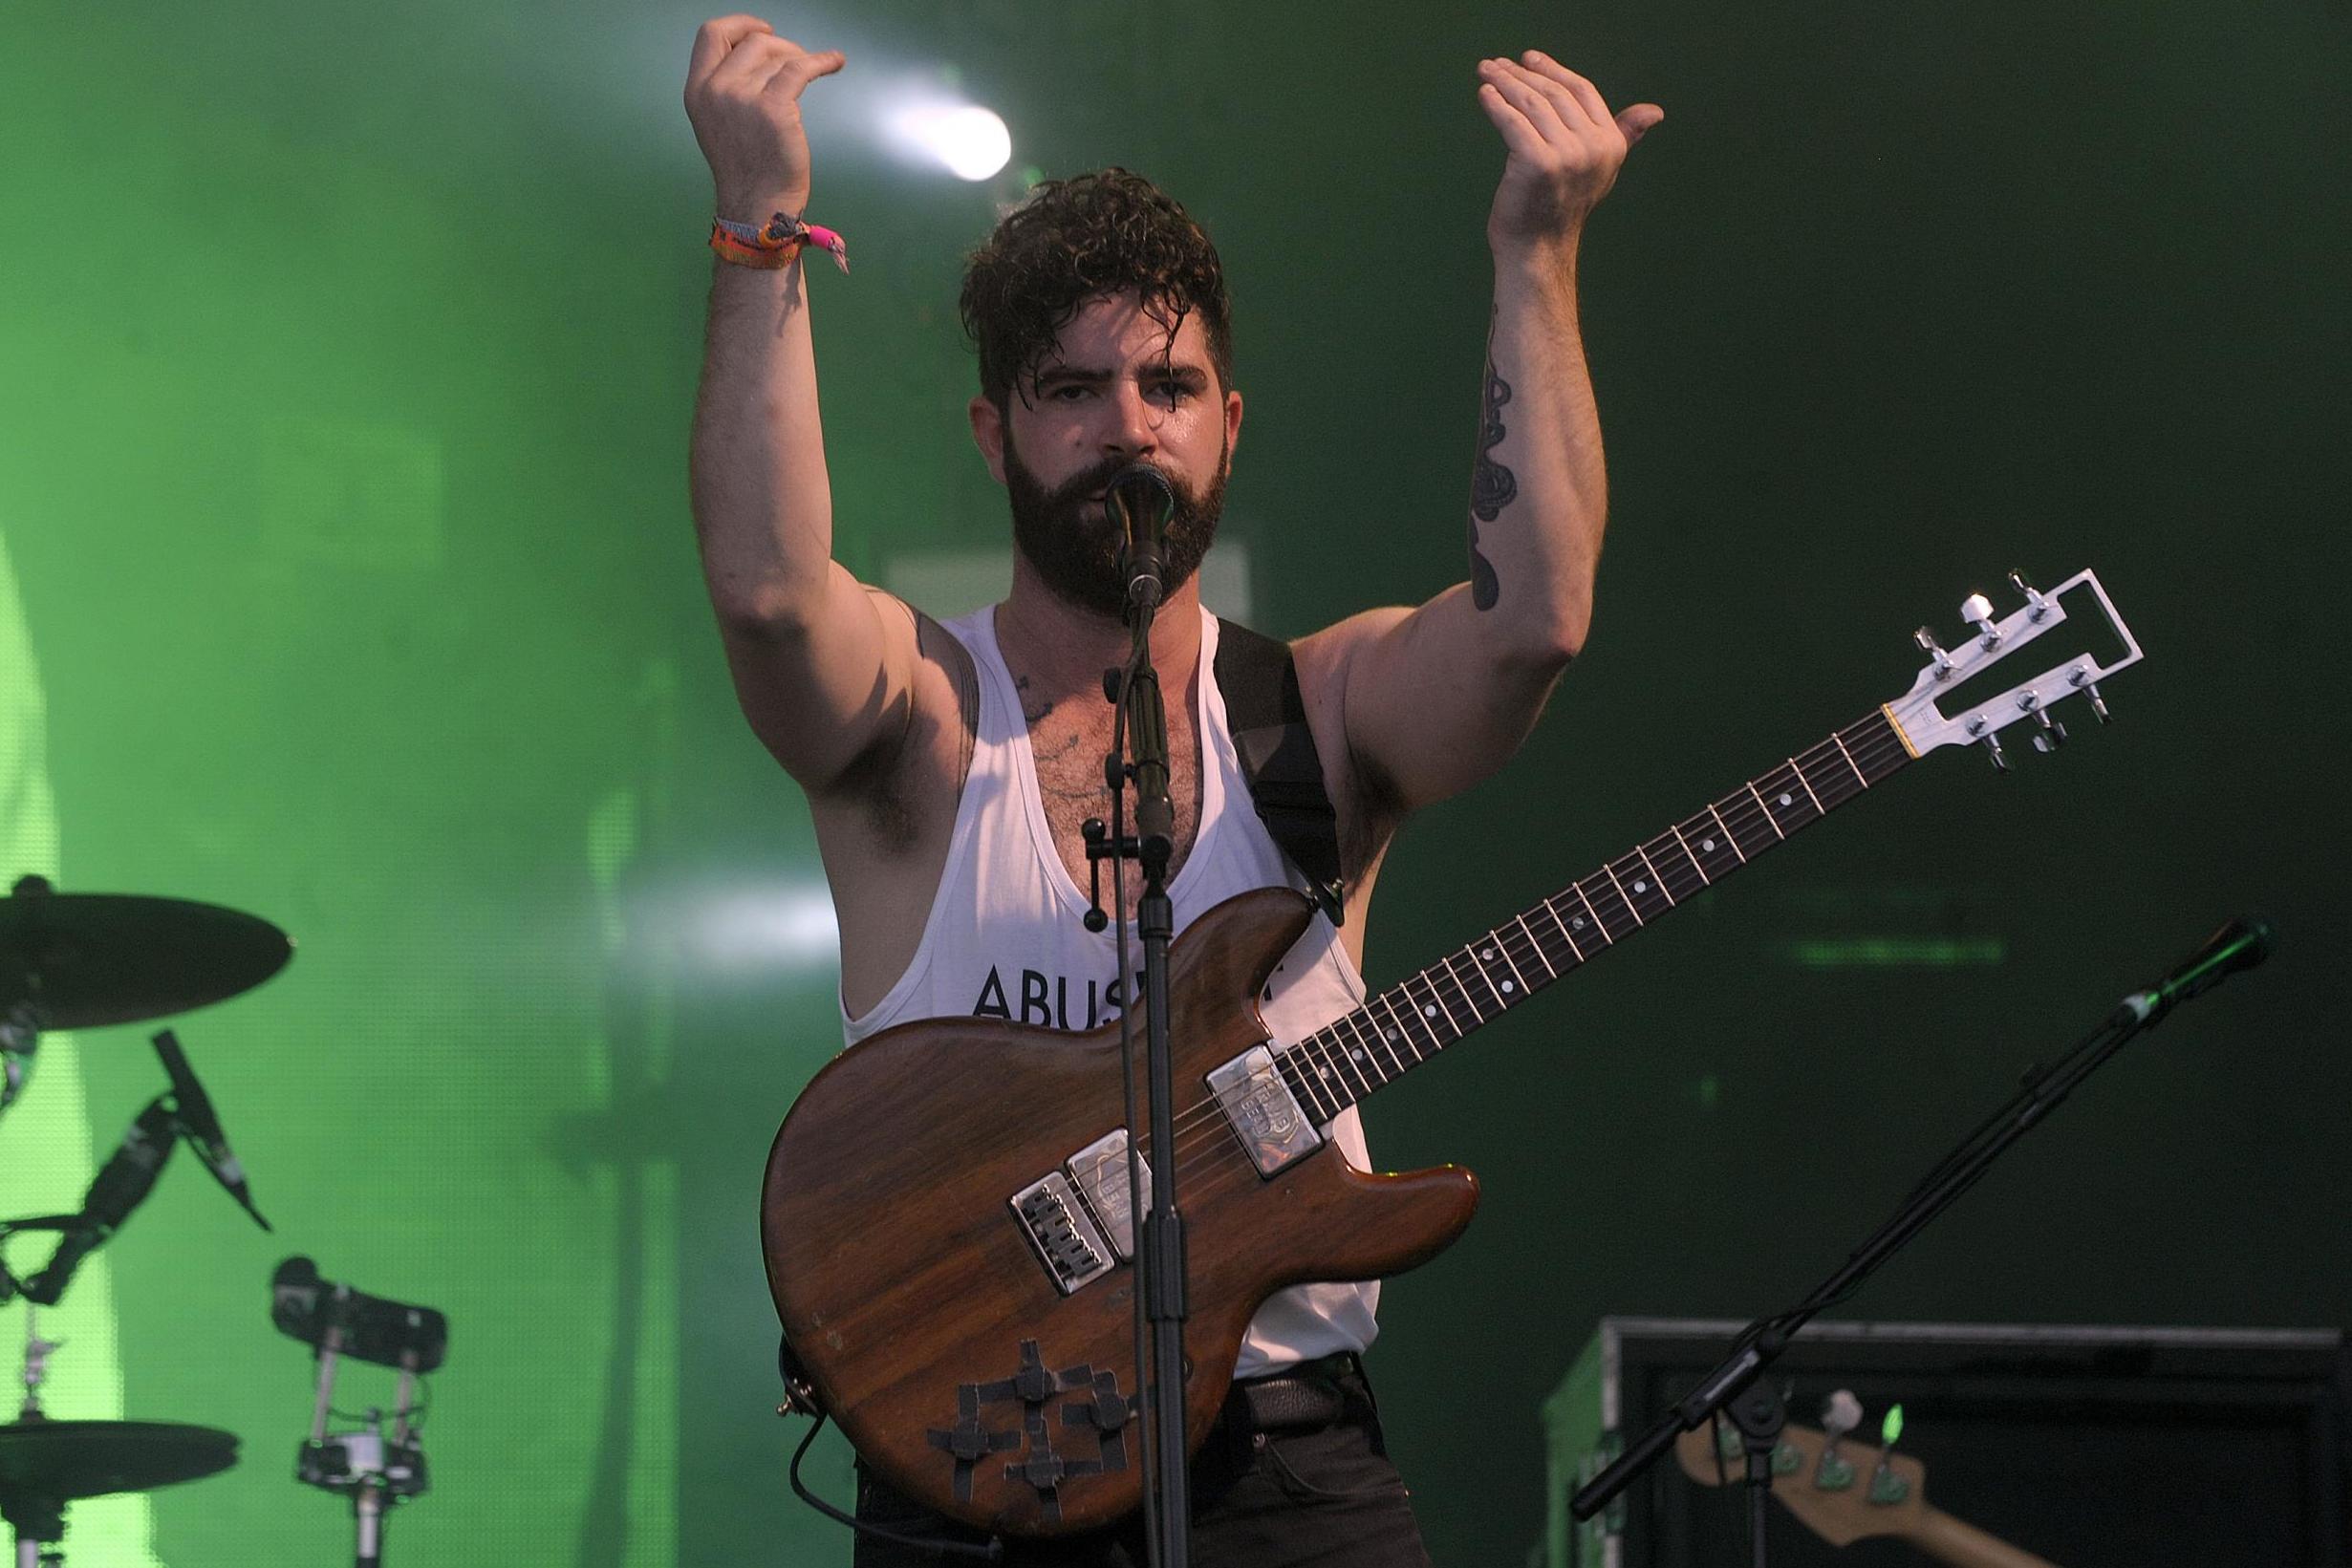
{"points": [[1115, 333]]}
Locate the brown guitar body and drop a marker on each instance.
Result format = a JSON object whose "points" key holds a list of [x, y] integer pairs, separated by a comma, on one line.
{"points": [[908, 1289]]}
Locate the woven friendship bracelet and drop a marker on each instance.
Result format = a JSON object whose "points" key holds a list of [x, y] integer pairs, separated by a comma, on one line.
{"points": [[772, 245]]}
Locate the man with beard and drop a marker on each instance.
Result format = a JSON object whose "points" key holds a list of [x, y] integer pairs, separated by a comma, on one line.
{"points": [[948, 768]]}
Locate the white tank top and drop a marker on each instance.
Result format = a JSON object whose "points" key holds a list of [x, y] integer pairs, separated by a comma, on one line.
{"points": [[1004, 939]]}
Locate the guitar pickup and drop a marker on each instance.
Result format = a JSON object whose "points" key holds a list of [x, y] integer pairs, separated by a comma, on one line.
{"points": [[1068, 1240], [1099, 1170], [1262, 1112]]}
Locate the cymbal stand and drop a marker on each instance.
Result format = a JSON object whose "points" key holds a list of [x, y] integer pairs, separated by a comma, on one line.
{"points": [[39, 1522], [361, 1465], [20, 1036]]}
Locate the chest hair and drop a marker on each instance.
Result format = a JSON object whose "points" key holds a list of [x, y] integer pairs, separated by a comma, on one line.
{"points": [[1068, 741]]}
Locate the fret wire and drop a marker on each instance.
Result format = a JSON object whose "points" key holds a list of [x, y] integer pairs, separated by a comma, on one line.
{"points": [[1548, 971], [1808, 789], [1347, 1065], [1367, 1066], [1654, 877], [1477, 1017], [1668, 873], [1495, 938], [1564, 936], [1321, 1053], [1333, 1074], [1438, 1001], [1366, 1033], [1398, 1023], [1380, 1036], [1582, 897], [1611, 872], [1766, 809], [1839, 741], [1305, 1087], [1729, 837], [1704, 879]]}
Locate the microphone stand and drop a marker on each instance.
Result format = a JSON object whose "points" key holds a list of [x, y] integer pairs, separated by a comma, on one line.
{"points": [[2043, 1090], [1159, 1251]]}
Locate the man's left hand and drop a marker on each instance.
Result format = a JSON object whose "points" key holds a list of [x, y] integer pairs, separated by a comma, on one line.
{"points": [[1564, 146]]}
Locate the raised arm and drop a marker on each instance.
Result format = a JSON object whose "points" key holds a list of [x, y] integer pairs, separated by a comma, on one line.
{"points": [[1437, 697], [823, 667]]}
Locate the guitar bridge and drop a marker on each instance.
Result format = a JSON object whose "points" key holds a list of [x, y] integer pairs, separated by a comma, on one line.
{"points": [[1054, 1219]]}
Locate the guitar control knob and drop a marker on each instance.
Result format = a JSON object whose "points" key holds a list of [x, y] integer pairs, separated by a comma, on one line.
{"points": [[1977, 611]]}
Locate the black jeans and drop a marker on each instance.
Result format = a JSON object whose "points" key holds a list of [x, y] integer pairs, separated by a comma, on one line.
{"points": [[1320, 1497]]}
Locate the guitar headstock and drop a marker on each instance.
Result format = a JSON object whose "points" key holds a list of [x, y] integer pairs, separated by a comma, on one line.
{"points": [[1840, 1516], [1925, 726]]}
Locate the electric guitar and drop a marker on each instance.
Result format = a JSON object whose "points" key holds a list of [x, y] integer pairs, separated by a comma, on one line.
{"points": [[945, 1215], [1865, 1505]]}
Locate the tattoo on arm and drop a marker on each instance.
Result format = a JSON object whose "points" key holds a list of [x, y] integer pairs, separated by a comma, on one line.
{"points": [[1491, 485]]}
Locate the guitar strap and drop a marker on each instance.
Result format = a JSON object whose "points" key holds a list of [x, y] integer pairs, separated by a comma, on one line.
{"points": [[1260, 683]]}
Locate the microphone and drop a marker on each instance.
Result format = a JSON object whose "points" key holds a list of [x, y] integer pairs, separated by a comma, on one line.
{"points": [[192, 1110], [1139, 502], [120, 1187], [2241, 944]]}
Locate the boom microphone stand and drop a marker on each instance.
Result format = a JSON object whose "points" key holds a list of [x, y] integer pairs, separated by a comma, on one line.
{"points": [[2241, 944]]}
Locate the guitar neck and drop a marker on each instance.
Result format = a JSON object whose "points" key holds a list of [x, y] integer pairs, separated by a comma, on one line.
{"points": [[1420, 1016]]}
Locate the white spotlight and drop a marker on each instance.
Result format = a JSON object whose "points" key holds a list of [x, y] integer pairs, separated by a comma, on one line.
{"points": [[969, 141]]}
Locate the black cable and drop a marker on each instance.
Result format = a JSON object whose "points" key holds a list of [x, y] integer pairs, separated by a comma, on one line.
{"points": [[991, 1551]]}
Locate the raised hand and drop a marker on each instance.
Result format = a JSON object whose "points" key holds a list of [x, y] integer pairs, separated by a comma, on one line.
{"points": [[743, 93], [1564, 146]]}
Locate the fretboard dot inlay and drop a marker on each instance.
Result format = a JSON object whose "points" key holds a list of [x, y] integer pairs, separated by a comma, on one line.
{"points": [[1640, 886], [1507, 986], [1395, 1035], [1486, 955], [1784, 800], [1708, 844], [1428, 1011], [1578, 922]]}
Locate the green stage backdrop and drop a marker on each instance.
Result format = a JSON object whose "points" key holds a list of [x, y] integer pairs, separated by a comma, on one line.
{"points": [[349, 355]]}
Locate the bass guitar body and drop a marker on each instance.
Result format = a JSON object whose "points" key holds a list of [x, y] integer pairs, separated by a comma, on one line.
{"points": [[926, 1306]]}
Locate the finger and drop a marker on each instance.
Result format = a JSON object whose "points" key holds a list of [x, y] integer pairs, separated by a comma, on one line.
{"points": [[1523, 96], [1574, 118], [1519, 138], [1638, 121], [751, 63], [1587, 95], [715, 38], [800, 71]]}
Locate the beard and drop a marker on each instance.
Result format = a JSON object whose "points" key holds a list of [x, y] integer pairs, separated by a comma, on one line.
{"points": [[1070, 542]]}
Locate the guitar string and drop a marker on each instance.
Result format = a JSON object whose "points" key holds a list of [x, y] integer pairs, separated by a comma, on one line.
{"points": [[1204, 1172], [1319, 1050], [1201, 1120]]}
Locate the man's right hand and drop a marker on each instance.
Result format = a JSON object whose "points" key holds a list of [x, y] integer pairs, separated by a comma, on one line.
{"points": [[743, 93]]}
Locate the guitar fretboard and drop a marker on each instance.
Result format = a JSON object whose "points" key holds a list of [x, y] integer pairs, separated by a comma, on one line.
{"points": [[1420, 1016]]}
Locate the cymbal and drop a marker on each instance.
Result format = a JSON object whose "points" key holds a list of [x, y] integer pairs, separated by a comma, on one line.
{"points": [[58, 1461], [85, 960]]}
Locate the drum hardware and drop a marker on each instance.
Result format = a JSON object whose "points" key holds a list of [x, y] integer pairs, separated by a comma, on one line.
{"points": [[374, 1471]]}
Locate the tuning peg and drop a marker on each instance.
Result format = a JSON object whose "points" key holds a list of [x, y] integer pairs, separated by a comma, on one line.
{"points": [[1992, 742], [1926, 644], [2049, 734], [1977, 610], [1885, 1486], [1840, 1414], [2036, 606], [2083, 682]]}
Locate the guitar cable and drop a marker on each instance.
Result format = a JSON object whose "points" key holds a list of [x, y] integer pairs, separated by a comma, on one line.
{"points": [[991, 1551]]}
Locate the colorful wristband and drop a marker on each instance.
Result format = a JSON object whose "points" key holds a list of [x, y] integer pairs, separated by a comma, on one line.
{"points": [[771, 247]]}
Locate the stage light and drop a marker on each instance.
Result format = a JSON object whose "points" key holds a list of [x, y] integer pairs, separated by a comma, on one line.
{"points": [[968, 141]]}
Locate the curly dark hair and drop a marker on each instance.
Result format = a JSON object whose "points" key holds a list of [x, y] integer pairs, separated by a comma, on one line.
{"points": [[1077, 239]]}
